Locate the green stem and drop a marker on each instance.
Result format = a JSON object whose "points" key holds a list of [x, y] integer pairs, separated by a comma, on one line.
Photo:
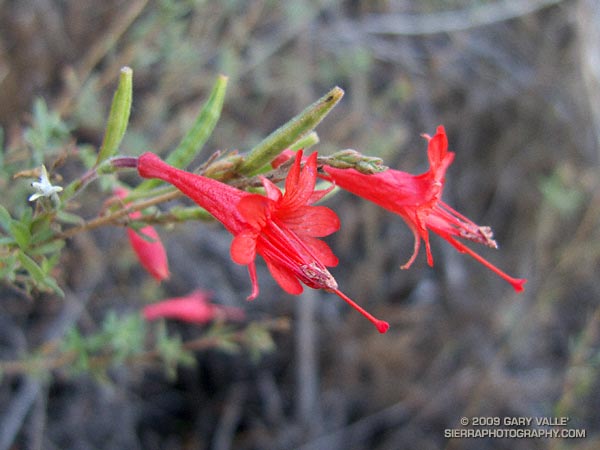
{"points": [[106, 167]]}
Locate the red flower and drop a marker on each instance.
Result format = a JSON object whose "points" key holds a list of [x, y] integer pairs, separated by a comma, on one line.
{"points": [[282, 228], [417, 199], [147, 245], [194, 307]]}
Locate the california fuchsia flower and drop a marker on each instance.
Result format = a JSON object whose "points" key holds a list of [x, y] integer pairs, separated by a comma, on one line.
{"points": [[194, 307], [282, 228], [147, 246], [417, 199]]}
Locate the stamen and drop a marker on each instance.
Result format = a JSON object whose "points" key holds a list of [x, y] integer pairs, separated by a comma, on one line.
{"points": [[466, 228], [320, 276], [488, 235], [287, 247]]}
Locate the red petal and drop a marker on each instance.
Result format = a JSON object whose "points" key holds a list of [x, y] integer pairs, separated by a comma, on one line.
{"points": [[192, 308], [321, 251], [243, 247], [271, 189], [437, 149], [300, 185], [282, 158], [308, 175], [390, 189], [294, 172], [287, 280], [318, 195], [314, 221], [151, 255], [120, 192], [254, 209], [416, 246], [254, 280]]}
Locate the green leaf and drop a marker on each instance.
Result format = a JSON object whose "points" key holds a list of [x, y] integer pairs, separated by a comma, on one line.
{"points": [[5, 219], [45, 249], [21, 233], [41, 235], [203, 126], [183, 214], [74, 342], [118, 117], [259, 341], [7, 240], [51, 283], [36, 272], [8, 267], [123, 335], [303, 143], [47, 133], [224, 336], [306, 141], [69, 218], [286, 135], [196, 137], [170, 349], [27, 217], [565, 197], [41, 279], [48, 263]]}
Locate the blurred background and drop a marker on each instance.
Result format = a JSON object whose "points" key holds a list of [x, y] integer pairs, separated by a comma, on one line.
{"points": [[517, 86]]}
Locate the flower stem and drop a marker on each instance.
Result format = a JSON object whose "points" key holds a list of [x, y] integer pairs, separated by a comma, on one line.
{"points": [[111, 218], [106, 167]]}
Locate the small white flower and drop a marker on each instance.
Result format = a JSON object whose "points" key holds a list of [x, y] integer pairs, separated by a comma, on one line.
{"points": [[44, 188]]}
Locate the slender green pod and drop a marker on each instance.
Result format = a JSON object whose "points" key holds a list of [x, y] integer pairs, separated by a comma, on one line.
{"points": [[286, 135], [118, 118], [203, 127], [196, 137], [306, 141]]}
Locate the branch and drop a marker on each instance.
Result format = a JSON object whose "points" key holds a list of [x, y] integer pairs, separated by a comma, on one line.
{"points": [[449, 21]]}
